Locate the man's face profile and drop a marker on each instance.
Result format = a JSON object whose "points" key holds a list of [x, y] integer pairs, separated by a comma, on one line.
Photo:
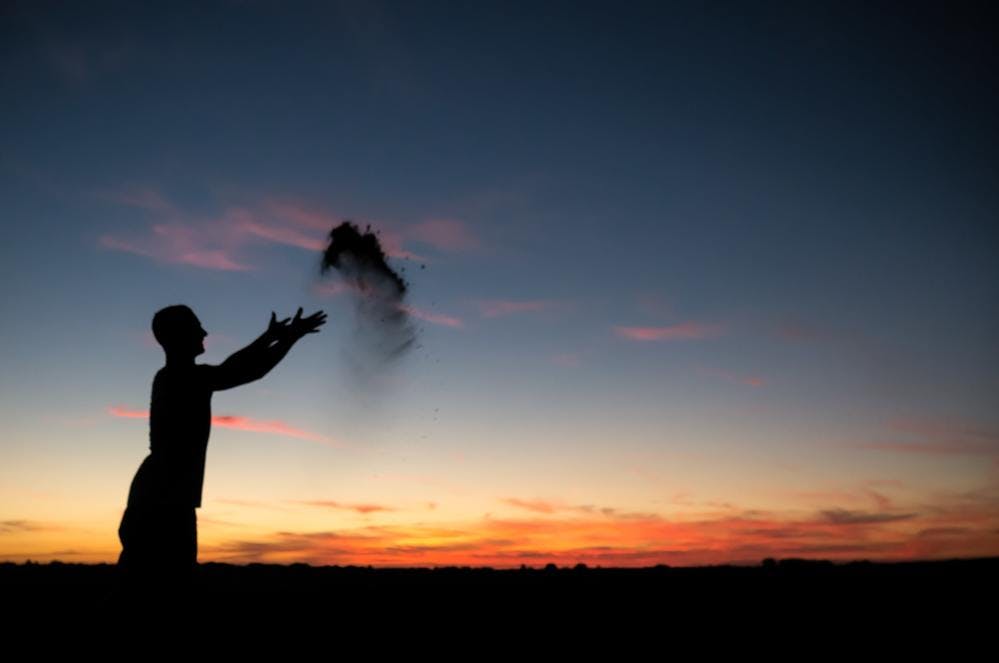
{"points": [[179, 331]]}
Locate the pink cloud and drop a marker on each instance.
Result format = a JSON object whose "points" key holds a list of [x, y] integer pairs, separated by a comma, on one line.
{"points": [[334, 289], [128, 414], [275, 427], [278, 234], [304, 216], [537, 506], [239, 423], [214, 243], [683, 331], [178, 239], [213, 259], [444, 234], [317, 220], [495, 308], [181, 244], [434, 318]]}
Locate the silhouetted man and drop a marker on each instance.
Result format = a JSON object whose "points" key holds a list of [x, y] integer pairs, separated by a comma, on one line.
{"points": [[158, 530]]}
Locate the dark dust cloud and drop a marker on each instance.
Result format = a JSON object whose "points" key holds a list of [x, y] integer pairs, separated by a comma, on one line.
{"points": [[384, 331]]}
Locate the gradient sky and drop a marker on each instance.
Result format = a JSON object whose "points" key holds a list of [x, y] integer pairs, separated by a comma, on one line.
{"points": [[704, 282]]}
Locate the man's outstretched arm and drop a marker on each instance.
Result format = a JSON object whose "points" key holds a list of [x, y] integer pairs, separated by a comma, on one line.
{"points": [[258, 358]]}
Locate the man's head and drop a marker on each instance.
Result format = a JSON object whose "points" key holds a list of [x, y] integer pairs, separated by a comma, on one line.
{"points": [[179, 331]]}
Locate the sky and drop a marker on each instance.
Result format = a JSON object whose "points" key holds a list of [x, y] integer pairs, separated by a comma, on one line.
{"points": [[696, 283]]}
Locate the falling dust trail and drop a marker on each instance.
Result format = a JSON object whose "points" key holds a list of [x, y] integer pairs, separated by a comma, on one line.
{"points": [[384, 329]]}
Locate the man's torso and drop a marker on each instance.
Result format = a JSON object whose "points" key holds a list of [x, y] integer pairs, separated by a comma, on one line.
{"points": [[179, 425]]}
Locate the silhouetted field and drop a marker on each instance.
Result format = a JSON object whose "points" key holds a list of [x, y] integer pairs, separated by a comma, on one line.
{"points": [[782, 592]]}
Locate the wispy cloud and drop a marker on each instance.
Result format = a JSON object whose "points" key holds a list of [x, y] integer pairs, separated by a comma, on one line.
{"points": [[219, 242], [848, 517], [15, 526], [180, 244], [442, 234], [246, 222], [433, 318], [363, 509], [247, 424], [126, 413], [314, 225], [682, 331], [537, 506], [214, 243], [274, 427]]}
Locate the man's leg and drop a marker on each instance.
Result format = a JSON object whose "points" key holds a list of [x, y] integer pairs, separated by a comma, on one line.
{"points": [[159, 550], [137, 561], [178, 548]]}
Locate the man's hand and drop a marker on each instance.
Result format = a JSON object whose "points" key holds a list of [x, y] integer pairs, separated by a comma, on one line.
{"points": [[277, 329], [292, 329], [300, 326]]}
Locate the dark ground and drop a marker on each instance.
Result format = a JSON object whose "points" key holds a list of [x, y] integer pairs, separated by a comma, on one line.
{"points": [[957, 597]]}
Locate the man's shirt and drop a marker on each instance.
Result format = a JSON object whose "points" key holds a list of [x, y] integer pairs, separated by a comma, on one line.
{"points": [[180, 419]]}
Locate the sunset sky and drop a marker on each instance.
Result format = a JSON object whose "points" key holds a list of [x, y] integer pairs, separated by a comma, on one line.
{"points": [[703, 282]]}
